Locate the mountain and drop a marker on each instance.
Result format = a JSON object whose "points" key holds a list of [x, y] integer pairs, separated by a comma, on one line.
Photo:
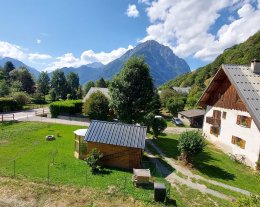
{"points": [[84, 72], [164, 64], [95, 65], [199, 79], [19, 64]]}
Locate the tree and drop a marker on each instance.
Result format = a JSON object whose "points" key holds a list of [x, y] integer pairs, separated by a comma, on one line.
{"points": [[79, 92], [43, 84], [8, 67], [59, 84], [21, 98], [4, 88], [28, 84], [97, 106], [132, 91], [72, 84], [101, 83], [190, 143], [93, 160], [2, 75], [87, 86], [158, 126], [174, 105], [166, 94], [16, 86]]}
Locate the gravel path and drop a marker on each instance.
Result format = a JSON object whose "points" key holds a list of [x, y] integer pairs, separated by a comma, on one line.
{"points": [[173, 177]]}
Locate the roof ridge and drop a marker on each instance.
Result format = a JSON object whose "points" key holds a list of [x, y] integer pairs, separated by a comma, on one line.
{"points": [[119, 123]]}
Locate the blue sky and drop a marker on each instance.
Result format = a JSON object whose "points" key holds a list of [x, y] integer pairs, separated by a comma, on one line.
{"points": [[50, 34]]}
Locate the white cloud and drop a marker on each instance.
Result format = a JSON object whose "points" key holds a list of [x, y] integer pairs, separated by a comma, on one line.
{"points": [[88, 56], [37, 56], [184, 25], [38, 41], [11, 50], [132, 11], [147, 2]]}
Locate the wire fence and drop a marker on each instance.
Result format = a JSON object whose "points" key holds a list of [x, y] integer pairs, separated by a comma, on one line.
{"points": [[54, 171]]}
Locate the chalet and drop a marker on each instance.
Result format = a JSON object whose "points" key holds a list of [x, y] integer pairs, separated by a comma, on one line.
{"points": [[122, 145], [232, 118], [192, 117], [96, 89]]}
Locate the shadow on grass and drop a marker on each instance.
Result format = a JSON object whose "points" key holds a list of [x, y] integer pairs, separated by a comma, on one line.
{"points": [[169, 146], [102, 172], [8, 123], [200, 163]]}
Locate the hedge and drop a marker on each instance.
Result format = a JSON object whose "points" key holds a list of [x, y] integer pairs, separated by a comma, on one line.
{"points": [[65, 107], [8, 104]]}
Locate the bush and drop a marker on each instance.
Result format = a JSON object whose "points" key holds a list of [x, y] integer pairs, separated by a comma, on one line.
{"points": [[252, 201], [21, 98], [190, 144], [8, 104], [96, 107], [67, 107], [158, 126], [93, 160]]}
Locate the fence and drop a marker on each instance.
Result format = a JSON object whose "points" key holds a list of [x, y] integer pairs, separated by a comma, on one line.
{"points": [[7, 117], [56, 171], [42, 111]]}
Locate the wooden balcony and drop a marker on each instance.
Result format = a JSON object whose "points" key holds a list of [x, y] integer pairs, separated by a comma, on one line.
{"points": [[213, 121]]}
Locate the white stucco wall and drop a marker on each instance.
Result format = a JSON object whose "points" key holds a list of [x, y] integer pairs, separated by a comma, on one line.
{"points": [[228, 129]]}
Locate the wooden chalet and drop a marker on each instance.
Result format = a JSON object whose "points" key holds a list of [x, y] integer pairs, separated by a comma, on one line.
{"points": [[122, 145], [232, 118]]}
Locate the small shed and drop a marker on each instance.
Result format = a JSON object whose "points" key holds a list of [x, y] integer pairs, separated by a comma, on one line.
{"points": [[193, 117], [122, 145], [80, 145]]}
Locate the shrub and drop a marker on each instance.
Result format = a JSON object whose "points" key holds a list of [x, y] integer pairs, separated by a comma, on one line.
{"points": [[252, 201], [21, 98], [65, 107], [96, 107], [190, 144], [158, 126], [8, 104], [93, 160]]}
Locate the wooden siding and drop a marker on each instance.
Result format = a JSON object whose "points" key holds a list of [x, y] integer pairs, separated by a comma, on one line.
{"points": [[129, 160], [225, 95]]}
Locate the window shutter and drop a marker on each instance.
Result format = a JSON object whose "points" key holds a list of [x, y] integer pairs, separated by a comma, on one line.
{"points": [[238, 119], [233, 140], [248, 122], [242, 143], [211, 130]]}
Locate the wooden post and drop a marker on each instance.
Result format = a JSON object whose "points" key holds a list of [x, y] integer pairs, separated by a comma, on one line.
{"points": [[48, 173], [2, 117], [13, 116], [14, 169]]}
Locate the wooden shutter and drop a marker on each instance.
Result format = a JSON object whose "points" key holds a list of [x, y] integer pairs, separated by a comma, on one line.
{"points": [[238, 120], [242, 143], [233, 140], [211, 131], [248, 122]]}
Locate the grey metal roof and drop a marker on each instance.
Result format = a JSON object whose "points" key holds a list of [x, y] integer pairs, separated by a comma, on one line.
{"points": [[105, 91], [182, 89], [115, 133], [192, 113], [247, 84]]}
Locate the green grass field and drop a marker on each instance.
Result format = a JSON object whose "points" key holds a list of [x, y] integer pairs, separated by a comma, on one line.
{"points": [[25, 143], [214, 164]]}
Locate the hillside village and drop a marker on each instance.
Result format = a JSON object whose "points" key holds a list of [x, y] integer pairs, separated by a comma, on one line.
{"points": [[143, 128]]}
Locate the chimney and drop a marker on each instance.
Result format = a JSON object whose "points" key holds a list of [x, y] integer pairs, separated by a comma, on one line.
{"points": [[255, 65]]}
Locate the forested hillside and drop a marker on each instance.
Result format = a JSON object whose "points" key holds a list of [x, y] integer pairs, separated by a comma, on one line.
{"points": [[200, 78]]}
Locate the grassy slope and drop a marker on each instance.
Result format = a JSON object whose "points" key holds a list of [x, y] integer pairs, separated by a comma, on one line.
{"points": [[214, 164], [25, 142]]}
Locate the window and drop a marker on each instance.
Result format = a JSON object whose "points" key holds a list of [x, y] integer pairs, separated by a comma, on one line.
{"points": [[238, 141], [224, 115], [244, 121], [214, 130]]}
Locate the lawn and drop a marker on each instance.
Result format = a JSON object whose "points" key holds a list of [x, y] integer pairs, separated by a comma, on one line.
{"points": [[214, 164], [25, 143]]}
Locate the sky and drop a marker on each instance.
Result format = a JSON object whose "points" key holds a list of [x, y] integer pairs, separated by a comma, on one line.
{"points": [[50, 34]]}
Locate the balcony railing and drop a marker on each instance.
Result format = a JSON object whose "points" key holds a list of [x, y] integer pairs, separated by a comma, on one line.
{"points": [[213, 121]]}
